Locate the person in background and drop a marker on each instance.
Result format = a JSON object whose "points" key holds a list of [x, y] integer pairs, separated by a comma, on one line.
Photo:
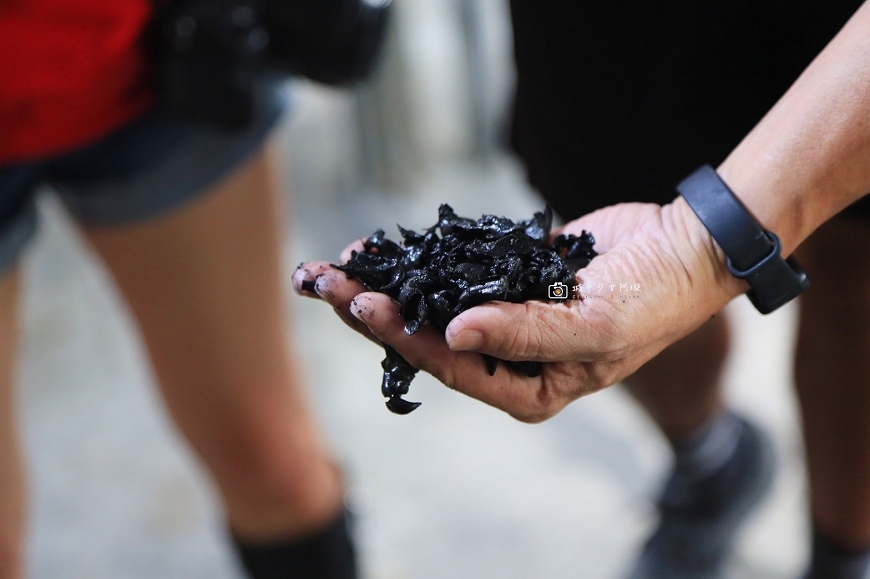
{"points": [[796, 172], [187, 220], [615, 105]]}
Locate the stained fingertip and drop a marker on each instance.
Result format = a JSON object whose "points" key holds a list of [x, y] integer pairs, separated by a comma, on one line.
{"points": [[321, 286], [379, 312], [305, 275], [302, 283], [325, 284], [360, 308]]}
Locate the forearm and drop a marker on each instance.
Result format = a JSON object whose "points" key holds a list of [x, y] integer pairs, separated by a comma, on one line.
{"points": [[809, 157]]}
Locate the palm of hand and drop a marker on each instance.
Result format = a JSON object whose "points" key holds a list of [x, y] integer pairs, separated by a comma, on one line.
{"points": [[590, 343]]}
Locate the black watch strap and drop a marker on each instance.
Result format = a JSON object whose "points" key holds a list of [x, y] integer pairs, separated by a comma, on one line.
{"points": [[753, 253]]}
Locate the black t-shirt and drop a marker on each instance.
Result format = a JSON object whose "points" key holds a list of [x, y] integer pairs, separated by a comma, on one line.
{"points": [[618, 101]]}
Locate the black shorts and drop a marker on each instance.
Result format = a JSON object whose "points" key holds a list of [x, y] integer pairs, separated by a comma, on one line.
{"points": [[619, 102]]}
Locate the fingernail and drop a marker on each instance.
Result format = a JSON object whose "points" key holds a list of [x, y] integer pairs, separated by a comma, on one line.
{"points": [[299, 278], [466, 340], [321, 286], [358, 307]]}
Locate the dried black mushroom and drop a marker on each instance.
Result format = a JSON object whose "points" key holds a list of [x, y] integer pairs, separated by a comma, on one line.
{"points": [[437, 277]]}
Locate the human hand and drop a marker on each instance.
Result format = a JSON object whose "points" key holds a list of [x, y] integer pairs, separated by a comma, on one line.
{"points": [[587, 344]]}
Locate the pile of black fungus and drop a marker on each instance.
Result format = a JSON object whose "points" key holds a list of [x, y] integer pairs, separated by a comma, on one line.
{"points": [[435, 278]]}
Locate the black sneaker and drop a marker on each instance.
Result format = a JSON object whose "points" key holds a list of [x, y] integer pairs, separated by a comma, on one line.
{"points": [[699, 517]]}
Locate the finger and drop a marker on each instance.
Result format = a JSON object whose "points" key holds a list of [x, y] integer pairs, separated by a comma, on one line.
{"points": [[334, 287], [462, 371], [305, 276], [356, 246], [539, 331]]}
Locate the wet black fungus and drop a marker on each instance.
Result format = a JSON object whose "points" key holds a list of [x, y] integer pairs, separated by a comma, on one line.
{"points": [[437, 277]]}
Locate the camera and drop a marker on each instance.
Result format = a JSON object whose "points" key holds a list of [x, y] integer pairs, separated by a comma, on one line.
{"points": [[557, 291], [212, 56], [335, 42]]}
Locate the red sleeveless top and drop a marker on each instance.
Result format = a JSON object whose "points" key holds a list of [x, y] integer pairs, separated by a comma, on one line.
{"points": [[70, 72]]}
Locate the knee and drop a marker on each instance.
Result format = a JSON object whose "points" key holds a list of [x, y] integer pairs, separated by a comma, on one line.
{"points": [[270, 466], [277, 485]]}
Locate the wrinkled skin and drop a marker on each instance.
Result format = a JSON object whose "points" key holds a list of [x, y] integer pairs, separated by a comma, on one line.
{"points": [[585, 345], [435, 278]]}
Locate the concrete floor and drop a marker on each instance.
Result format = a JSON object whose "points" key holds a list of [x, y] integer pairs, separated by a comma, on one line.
{"points": [[457, 490]]}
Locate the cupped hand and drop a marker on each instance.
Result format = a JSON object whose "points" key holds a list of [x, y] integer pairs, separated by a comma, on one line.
{"points": [[659, 276]]}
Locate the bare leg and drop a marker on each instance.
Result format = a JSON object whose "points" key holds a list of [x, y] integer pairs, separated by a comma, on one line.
{"points": [[680, 387], [12, 495], [832, 375], [205, 284]]}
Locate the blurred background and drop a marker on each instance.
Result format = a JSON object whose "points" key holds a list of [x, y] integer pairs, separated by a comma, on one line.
{"points": [[455, 490]]}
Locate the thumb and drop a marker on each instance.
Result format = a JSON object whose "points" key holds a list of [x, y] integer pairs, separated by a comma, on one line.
{"points": [[539, 331]]}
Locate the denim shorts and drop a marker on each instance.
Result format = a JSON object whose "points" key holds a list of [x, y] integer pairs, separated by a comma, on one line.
{"points": [[146, 168]]}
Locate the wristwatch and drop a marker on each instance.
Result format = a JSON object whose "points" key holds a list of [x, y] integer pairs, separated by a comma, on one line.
{"points": [[753, 253]]}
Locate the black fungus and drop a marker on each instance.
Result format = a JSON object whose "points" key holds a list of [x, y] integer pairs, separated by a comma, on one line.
{"points": [[435, 278]]}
